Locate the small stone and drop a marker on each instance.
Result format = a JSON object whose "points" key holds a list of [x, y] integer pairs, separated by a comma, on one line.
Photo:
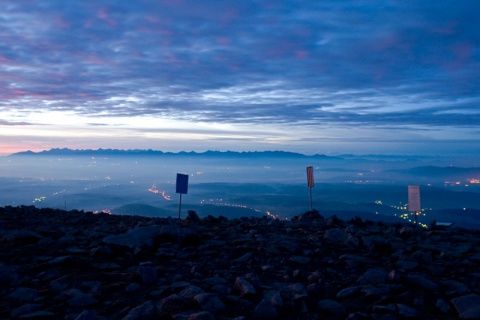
{"points": [[244, 288], [468, 306], [298, 291], [24, 294], [265, 311], [89, 315], [191, 291], [25, 309], [172, 304], [300, 259], [348, 292], [192, 218], [422, 282], [210, 302], [331, 308], [144, 311], [336, 235], [373, 276], [192, 315], [443, 306], [274, 298], [148, 274], [245, 258], [82, 300], [407, 312]]}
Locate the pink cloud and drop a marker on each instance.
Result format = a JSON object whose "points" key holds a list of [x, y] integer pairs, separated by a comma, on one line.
{"points": [[301, 54], [223, 40], [61, 23], [102, 14]]}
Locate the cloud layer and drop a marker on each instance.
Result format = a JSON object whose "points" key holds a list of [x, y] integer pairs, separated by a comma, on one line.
{"points": [[318, 65]]}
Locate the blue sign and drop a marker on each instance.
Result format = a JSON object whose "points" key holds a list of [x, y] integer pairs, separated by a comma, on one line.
{"points": [[182, 183]]}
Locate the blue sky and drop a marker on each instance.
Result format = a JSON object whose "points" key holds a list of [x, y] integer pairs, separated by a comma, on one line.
{"points": [[396, 77]]}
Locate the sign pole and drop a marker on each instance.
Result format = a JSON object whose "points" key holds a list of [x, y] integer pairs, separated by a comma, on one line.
{"points": [[310, 199], [310, 183], [179, 206], [181, 187]]}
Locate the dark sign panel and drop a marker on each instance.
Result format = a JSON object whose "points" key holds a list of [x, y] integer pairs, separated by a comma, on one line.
{"points": [[182, 183]]}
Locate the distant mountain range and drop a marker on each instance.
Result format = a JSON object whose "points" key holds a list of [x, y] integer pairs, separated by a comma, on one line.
{"points": [[150, 152]]}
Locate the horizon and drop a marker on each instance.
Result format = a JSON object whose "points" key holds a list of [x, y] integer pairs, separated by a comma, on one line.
{"points": [[313, 78], [435, 160], [39, 151]]}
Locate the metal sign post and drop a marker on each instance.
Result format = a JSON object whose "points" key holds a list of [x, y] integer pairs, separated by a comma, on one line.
{"points": [[182, 187], [310, 183]]}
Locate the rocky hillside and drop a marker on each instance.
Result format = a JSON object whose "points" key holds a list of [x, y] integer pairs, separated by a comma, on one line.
{"points": [[75, 265]]}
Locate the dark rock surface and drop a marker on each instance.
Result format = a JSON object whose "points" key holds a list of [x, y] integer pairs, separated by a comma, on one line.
{"points": [[75, 265]]}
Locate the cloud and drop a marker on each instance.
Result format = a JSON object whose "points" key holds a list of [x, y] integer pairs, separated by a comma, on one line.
{"points": [[315, 63]]}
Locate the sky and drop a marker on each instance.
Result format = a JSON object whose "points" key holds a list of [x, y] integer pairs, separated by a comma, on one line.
{"points": [[327, 77]]}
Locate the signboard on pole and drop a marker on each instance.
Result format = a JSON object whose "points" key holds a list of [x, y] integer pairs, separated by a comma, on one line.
{"points": [[182, 183], [414, 199]]}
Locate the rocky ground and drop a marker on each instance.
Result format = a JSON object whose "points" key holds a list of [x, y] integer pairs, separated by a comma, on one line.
{"points": [[75, 265]]}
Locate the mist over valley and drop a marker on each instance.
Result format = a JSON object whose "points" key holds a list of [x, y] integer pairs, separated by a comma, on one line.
{"points": [[232, 184]]}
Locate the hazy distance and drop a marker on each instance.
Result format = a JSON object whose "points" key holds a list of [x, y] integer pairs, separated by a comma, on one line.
{"points": [[235, 184]]}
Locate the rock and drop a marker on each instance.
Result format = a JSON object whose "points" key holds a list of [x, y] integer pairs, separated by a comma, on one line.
{"points": [[406, 265], [82, 300], [297, 291], [468, 306], [191, 315], [25, 309], [148, 274], [348, 292], [101, 251], [373, 276], [245, 258], [192, 218], [24, 294], [265, 311], [89, 315], [331, 309], [300, 260], [336, 235], [309, 217], [274, 298], [407, 312], [144, 311], [191, 291], [172, 304], [60, 283], [98, 267], [376, 243], [8, 275], [137, 238], [37, 315], [422, 282], [22, 236], [210, 302], [375, 291], [443, 306], [244, 288], [454, 288]]}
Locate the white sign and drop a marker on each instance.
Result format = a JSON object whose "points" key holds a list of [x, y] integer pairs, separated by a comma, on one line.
{"points": [[414, 199]]}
